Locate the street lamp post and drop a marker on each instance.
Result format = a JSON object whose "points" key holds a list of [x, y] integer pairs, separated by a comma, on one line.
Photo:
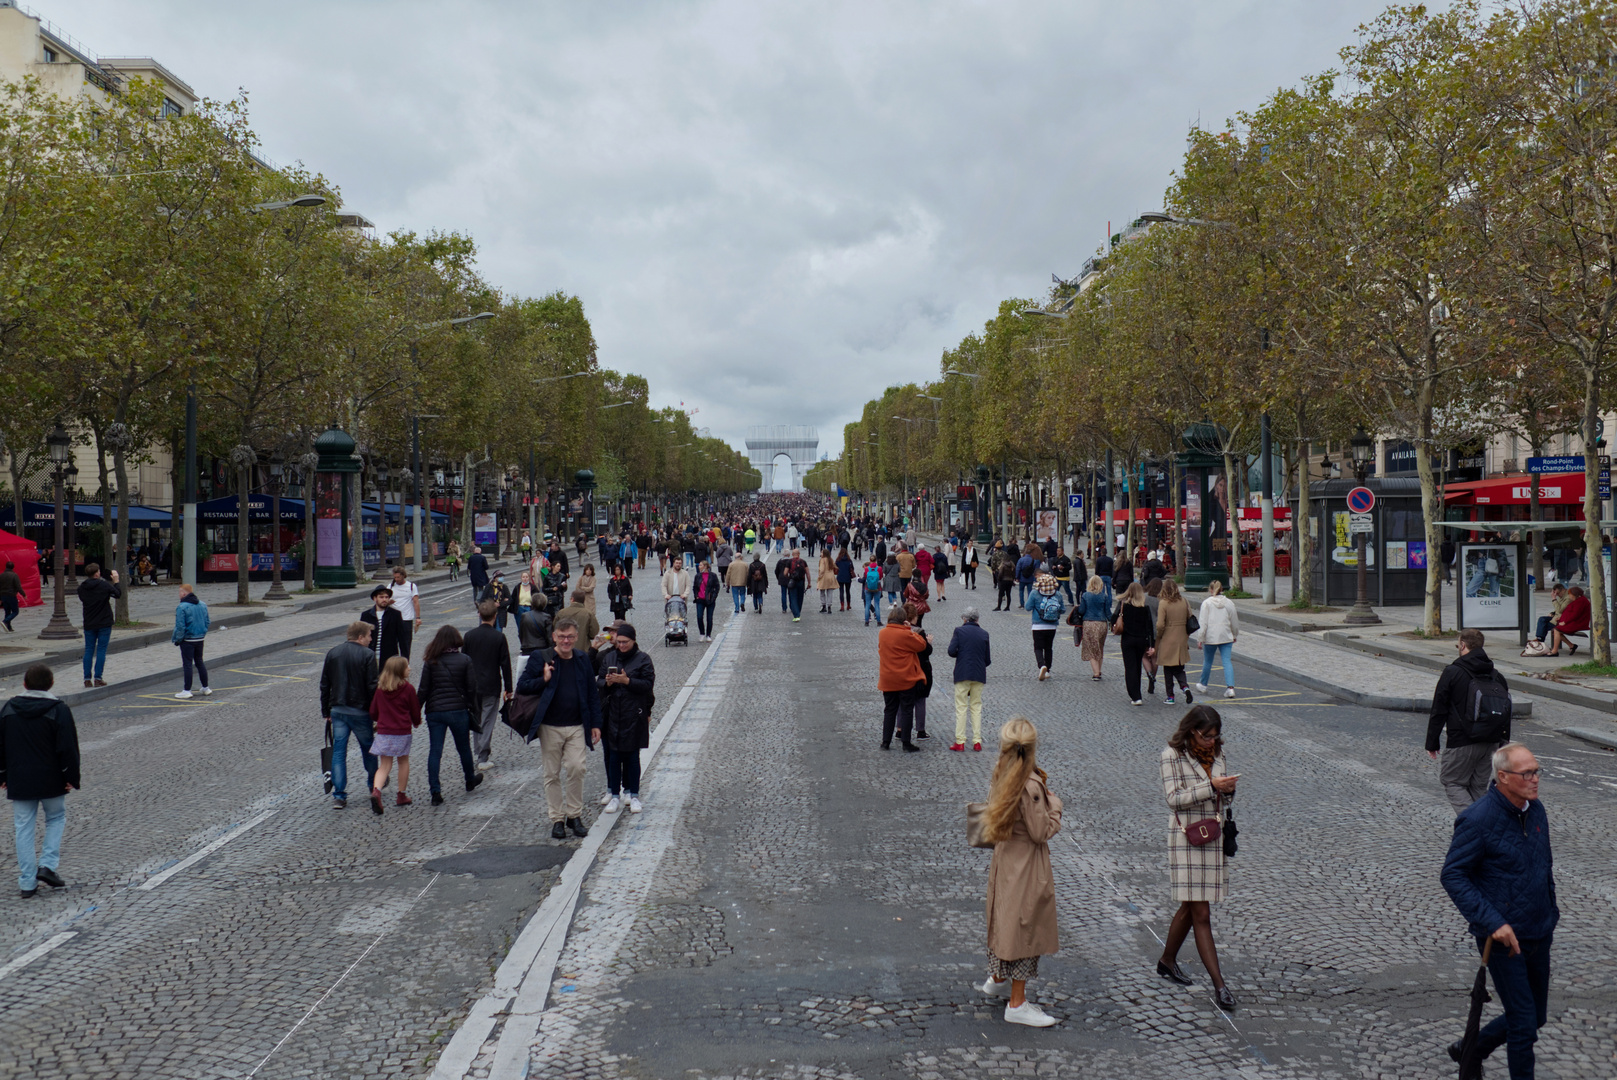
{"points": [[60, 445], [277, 478], [72, 474], [1362, 613]]}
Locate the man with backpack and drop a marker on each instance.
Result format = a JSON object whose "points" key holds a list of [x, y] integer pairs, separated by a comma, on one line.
{"points": [[870, 578], [1473, 703]]}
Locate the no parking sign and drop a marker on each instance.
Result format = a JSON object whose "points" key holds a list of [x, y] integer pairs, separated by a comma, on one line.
{"points": [[1361, 500]]}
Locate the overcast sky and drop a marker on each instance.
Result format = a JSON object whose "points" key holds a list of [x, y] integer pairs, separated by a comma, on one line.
{"points": [[770, 210]]}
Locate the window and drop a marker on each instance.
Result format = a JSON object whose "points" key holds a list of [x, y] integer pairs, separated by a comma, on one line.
{"points": [[170, 108], [50, 55]]}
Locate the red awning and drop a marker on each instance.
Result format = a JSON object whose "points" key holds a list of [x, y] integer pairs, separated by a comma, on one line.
{"points": [[1560, 489]]}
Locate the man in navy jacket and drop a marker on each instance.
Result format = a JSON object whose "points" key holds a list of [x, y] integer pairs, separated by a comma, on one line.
{"points": [[569, 709], [1499, 873]]}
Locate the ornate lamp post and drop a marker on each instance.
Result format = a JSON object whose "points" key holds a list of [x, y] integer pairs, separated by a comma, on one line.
{"points": [[277, 479], [60, 445], [1362, 613], [72, 553]]}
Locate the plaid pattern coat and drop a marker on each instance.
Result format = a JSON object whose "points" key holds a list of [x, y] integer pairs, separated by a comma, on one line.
{"points": [[1197, 873]]}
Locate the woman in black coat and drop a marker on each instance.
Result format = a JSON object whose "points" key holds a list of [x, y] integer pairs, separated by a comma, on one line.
{"points": [[1137, 632], [449, 699], [627, 681]]}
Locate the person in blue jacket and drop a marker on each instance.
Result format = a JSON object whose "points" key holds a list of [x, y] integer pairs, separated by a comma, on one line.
{"points": [[1499, 873], [190, 628]]}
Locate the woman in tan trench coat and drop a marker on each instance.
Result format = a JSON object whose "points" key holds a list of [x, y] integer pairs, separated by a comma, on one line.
{"points": [[1021, 818], [1173, 641]]}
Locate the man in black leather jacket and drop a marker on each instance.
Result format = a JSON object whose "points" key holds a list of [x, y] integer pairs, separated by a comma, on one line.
{"points": [[347, 683]]}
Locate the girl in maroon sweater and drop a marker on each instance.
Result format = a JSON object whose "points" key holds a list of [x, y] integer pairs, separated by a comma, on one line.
{"points": [[395, 709]]}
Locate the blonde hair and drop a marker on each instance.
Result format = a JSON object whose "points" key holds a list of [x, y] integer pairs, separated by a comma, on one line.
{"points": [[1134, 596], [395, 673], [1170, 589], [1094, 584], [1018, 743], [1215, 587]]}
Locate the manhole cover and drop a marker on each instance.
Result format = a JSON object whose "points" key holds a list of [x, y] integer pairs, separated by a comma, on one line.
{"points": [[502, 861]]}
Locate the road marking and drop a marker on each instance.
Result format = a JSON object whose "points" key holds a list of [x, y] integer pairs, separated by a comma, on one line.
{"points": [[265, 675], [191, 860], [35, 953], [522, 983]]}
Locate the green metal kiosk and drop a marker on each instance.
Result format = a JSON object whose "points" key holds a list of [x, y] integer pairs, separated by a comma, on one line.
{"points": [[1206, 508], [333, 536]]}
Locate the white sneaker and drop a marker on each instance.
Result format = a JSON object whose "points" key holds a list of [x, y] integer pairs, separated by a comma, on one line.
{"points": [[1029, 1014], [1044, 673], [606, 798], [611, 807], [1201, 688], [996, 989], [206, 692], [1230, 692], [183, 694], [634, 804]]}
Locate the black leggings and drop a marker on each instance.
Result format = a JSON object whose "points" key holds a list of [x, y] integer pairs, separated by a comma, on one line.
{"points": [[899, 706], [704, 617], [1133, 655], [968, 577], [1043, 648], [846, 589], [1004, 595]]}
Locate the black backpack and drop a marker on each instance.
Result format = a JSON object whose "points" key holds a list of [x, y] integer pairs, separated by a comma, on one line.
{"points": [[1489, 708]]}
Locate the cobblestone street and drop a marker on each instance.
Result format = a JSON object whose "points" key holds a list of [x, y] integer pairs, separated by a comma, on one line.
{"points": [[793, 902]]}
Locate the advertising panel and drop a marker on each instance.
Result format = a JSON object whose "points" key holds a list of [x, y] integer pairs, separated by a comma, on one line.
{"points": [[1489, 597]]}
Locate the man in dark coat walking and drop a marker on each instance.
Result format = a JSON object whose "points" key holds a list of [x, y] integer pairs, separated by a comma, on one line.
{"points": [[490, 654], [627, 681], [39, 765], [477, 573], [1465, 770], [969, 647], [1499, 874], [386, 624]]}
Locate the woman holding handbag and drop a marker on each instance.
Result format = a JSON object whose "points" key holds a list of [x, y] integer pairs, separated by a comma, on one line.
{"points": [[1019, 819], [1199, 790]]}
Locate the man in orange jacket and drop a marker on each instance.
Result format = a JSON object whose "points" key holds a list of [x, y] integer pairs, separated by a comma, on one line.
{"points": [[899, 677]]}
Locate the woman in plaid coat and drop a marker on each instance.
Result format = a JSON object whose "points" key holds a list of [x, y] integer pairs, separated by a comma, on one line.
{"points": [[1197, 786]]}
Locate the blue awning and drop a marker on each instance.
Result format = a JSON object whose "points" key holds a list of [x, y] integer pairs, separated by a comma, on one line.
{"points": [[43, 514], [226, 510]]}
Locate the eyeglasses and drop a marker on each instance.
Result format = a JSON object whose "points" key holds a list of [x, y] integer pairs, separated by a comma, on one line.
{"points": [[1525, 774]]}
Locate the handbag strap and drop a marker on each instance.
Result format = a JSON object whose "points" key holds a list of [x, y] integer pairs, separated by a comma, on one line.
{"points": [[1218, 803]]}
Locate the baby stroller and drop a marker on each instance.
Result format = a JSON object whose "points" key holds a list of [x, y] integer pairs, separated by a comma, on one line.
{"points": [[674, 622]]}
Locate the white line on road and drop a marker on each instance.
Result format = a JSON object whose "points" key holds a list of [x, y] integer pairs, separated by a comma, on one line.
{"points": [[191, 860], [523, 980], [35, 953]]}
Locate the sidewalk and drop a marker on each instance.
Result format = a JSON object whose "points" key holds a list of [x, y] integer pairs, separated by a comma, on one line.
{"points": [[1386, 666], [145, 656]]}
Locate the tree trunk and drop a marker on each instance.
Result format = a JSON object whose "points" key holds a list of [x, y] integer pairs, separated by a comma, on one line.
{"points": [[1431, 508], [244, 481], [1232, 497], [1181, 544], [357, 523], [308, 532], [1134, 509], [1302, 527], [176, 480], [1599, 623], [467, 502], [120, 549], [1536, 537]]}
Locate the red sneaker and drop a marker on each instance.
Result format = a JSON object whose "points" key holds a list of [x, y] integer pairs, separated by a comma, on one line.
{"points": [[976, 746], [958, 746]]}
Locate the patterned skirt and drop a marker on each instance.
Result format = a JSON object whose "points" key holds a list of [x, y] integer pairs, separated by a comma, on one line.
{"points": [[1094, 647], [391, 745], [1000, 970]]}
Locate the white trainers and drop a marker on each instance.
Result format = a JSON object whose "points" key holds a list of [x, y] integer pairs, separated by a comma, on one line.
{"points": [[996, 989], [1201, 688], [183, 694], [1044, 673], [1230, 692], [634, 804], [1029, 1014], [606, 798], [611, 807], [206, 692]]}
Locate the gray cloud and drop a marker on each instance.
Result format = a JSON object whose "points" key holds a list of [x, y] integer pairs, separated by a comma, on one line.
{"points": [[770, 211]]}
